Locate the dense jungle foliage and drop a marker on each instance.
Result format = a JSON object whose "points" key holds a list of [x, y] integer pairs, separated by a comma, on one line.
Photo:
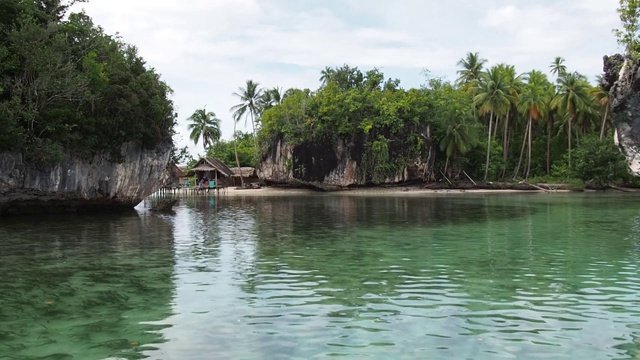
{"points": [[225, 151], [67, 87], [491, 124]]}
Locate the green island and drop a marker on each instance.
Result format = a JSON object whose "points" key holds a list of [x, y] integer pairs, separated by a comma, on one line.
{"points": [[68, 88]]}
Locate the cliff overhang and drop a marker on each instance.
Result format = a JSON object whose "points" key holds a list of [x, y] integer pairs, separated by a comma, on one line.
{"points": [[79, 185], [327, 166]]}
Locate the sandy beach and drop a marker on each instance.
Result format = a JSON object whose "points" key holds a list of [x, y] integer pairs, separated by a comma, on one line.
{"points": [[396, 191]]}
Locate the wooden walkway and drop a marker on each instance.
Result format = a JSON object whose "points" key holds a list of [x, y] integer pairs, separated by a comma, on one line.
{"points": [[194, 190]]}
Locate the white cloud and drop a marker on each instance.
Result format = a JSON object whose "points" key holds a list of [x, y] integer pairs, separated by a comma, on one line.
{"points": [[206, 49], [532, 33]]}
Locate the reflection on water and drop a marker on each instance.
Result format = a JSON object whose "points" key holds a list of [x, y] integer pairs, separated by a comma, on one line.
{"points": [[84, 287], [478, 277]]}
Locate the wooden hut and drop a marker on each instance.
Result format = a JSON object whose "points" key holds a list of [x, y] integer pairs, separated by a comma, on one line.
{"points": [[212, 169], [176, 176], [182, 175], [249, 176]]}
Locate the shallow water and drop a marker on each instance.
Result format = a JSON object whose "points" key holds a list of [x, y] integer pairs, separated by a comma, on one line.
{"points": [[300, 277]]}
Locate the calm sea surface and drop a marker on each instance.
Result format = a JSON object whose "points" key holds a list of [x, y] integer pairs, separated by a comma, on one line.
{"points": [[526, 276]]}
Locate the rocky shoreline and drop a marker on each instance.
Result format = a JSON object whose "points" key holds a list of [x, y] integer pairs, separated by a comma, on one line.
{"points": [[82, 185]]}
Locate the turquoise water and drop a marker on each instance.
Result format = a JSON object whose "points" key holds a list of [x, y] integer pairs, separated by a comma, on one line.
{"points": [[310, 277]]}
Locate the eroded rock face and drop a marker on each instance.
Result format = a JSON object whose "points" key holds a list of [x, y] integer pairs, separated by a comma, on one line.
{"points": [[324, 166], [622, 80], [75, 185]]}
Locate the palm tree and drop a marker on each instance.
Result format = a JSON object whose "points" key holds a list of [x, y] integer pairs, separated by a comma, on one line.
{"points": [[601, 96], [590, 114], [533, 104], [249, 106], [204, 125], [326, 75], [492, 98], [550, 91], [571, 99], [540, 79], [270, 98], [472, 66], [459, 137], [557, 67], [514, 84]]}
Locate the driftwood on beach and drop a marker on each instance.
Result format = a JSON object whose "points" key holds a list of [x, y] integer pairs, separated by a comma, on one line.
{"points": [[499, 186]]}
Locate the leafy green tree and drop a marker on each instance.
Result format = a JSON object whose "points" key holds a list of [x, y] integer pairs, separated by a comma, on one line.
{"points": [[492, 98], [225, 150], [572, 97], [599, 161], [70, 88], [629, 12], [288, 119], [181, 156], [204, 125], [347, 77]]}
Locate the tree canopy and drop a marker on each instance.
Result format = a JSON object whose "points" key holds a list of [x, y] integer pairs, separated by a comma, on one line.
{"points": [[453, 128], [67, 87]]}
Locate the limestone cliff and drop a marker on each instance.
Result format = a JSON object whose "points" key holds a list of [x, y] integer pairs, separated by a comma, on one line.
{"points": [[622, 80], [75, 185], [325, 166]]}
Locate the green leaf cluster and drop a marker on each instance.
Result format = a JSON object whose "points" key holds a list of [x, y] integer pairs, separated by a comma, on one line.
{"points": [[224, 150], [599, 161], [69, 87], [629, 13]]}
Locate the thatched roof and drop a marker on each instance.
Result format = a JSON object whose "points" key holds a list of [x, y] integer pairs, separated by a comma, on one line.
{"points": [[183, 170], [212, 164], [174, 171], [245, 170], [178, 172]]}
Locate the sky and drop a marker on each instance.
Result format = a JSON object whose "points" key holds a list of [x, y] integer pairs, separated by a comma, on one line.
{"points": [[206, 49]]}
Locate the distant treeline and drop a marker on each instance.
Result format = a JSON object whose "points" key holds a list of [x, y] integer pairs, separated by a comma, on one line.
{"points": [[492, 123]]}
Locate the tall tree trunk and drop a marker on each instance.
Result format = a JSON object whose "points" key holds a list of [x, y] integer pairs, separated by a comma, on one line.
{"points": [[486, 167], [446, 164], [524, 142], [505, 143], [549, 129], [604, 121], [505, 139], [255, 139], [526, 175], [235, 149], [427, 174], [570, 128]]}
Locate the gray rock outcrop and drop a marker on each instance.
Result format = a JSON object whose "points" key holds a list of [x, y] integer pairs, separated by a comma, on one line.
{"points": [[324, 166], [75, 185], [622, 80]]}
